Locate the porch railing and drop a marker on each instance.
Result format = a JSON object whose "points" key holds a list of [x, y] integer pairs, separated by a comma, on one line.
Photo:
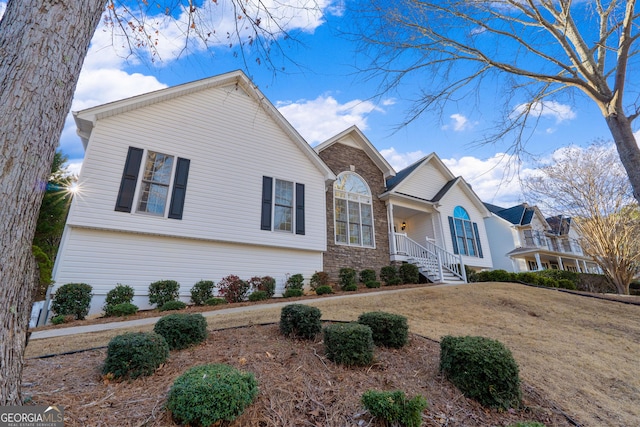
{"points": [[431, 257]]}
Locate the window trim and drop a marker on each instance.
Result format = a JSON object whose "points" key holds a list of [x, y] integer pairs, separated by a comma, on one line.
{"points": [[466, 225], [141, 182], [268, 198], [348, 223]]}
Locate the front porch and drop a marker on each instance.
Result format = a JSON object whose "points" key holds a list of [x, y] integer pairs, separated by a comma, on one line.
{"points": [[536, 259]]}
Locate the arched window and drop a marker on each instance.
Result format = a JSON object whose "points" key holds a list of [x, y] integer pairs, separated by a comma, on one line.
{"points": [[353, 211], [464, 233]]}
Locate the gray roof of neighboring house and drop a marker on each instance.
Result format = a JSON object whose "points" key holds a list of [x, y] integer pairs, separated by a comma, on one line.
{"points": [[521, 214]]}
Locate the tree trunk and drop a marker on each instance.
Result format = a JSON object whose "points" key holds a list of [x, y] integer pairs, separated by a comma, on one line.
{"points": [[628, 150], [42, 46]]}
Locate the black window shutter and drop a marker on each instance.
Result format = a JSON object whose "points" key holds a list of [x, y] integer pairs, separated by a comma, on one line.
{"points": [[475, 229], [299, 208], [124, 203], [267, 195], [453, 235], [179, 188]]}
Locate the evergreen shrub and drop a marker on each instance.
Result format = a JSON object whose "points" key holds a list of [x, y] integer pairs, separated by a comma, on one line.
{"points": [[388, 330], [388, 273], [394, 407], [202, 291], [290, 293], [319, 278], [163, 291], [121, 294], [351, 287], [233, 289], [215, 301], [135, 354], [173, 305], [367, 275], [181, 330], [123, 309], [295, 281], [409, 273], [301, 321], [258, 296], [372, 284], [323, 290], [483, 369], [208, 394], [349, 344], [72, 299], [347, 278]]}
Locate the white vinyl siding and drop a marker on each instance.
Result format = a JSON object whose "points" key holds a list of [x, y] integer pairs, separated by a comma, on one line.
{"points": [[104, 258], [216, 129], [424, 183]]}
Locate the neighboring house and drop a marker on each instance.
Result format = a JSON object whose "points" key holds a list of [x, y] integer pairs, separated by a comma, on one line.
{"points": [[422, 214], [197, 181], [522, 239]]}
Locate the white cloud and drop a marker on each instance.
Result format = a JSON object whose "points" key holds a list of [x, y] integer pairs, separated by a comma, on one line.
{"points": [[323, 117], [3, 7], [400, 161], [637, 135], [459, 123], [548, 109], [495, 180]]}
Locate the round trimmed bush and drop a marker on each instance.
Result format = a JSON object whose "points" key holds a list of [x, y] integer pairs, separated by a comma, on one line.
{"points": [[388, 330], [319, 278], [371, 284], [163, 291], [295, 281], [207, 394], [202, 291], [72, 299], [301, 321], [409, 273], [58, 320], [351, 287], [123, 309], [181, 330], [388, 273], [258, 296], [323, 290], [483, 369], [233, 289], [121, 294], [135, 354], [394, 282], [290, 293], [216, 301], [349, 344], [173, 305], [394, 407], [347, 278], [367, 275]]}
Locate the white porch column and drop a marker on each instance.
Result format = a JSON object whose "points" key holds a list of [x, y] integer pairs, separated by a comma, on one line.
{"points": [[514, 265], [537, 255], [560, 265], [584, 267], [392, 236], [578, 267]]}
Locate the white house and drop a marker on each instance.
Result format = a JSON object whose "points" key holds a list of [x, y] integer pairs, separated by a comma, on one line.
{"points": [[522, 239], [197, 181]]}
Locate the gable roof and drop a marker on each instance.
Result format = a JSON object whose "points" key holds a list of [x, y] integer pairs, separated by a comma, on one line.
{"points": [[520, 215], [435, 161], [364, 144], [86, 119]]}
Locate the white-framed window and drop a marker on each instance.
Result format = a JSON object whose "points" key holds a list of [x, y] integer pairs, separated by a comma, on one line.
{"points": [[155, 183], [464, 233], [163, 182], [353, 211], [283, 206]]}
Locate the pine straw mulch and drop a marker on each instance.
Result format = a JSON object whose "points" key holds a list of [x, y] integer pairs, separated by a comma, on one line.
{"points": [[298, 385]]}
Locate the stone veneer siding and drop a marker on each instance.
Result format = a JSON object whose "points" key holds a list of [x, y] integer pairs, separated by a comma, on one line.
{"points": [[340, 158]]}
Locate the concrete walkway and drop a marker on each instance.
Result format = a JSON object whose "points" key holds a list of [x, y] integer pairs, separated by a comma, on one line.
{"points": [[98, 327]]}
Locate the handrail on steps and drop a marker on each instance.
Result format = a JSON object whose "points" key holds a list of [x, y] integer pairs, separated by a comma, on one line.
{"points": [[431, 254]]}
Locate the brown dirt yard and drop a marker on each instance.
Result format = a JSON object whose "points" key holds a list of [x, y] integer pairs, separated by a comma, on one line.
{"points": [[577, 355]]}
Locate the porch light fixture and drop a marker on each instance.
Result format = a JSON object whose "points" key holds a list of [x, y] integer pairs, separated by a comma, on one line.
{"points": [[403, 226]]}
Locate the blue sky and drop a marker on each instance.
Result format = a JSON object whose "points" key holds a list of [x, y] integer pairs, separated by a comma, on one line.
{"points": [[322, 94]]}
